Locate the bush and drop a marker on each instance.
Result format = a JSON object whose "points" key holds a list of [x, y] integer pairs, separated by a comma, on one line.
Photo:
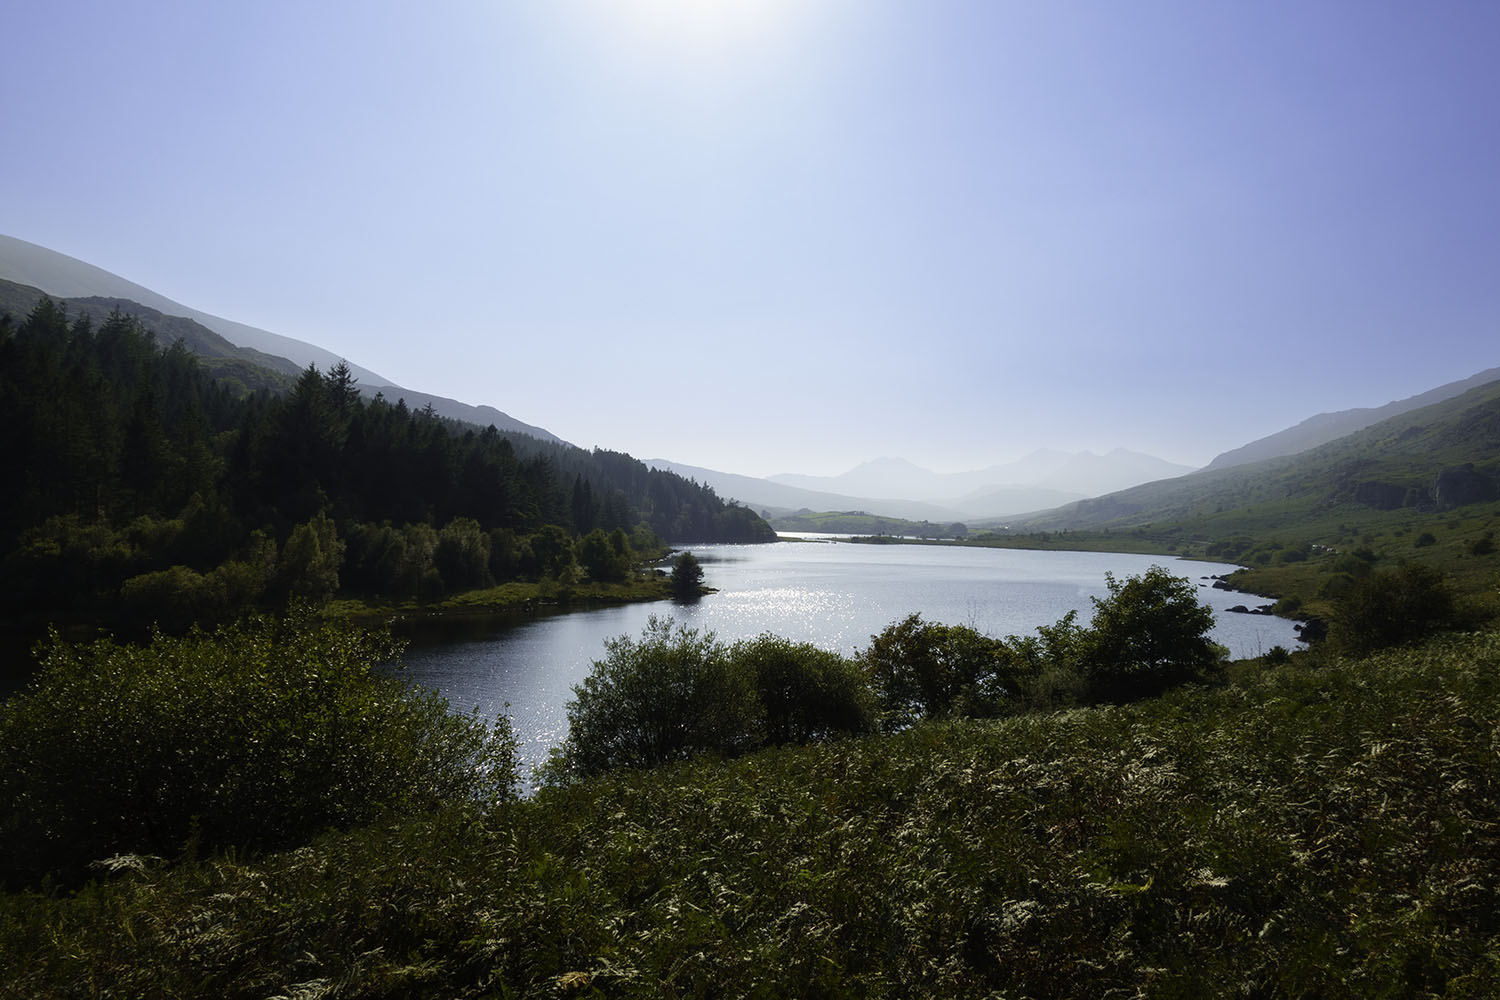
{"points": [[258, 735], [1425, 539], [1388, 609], [923, 670], [687, 576], [552, 554], [667, 697], [806, 693], [1148, 635], [605, 557], [672, 695]]}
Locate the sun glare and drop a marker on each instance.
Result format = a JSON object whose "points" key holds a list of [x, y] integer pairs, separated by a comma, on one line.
{"points": [[697, 30]]}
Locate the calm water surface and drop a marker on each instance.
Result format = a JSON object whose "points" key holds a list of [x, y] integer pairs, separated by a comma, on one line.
{"points": [[836, 595]]}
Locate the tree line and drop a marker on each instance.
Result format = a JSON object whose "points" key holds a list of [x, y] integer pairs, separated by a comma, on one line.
{"points": [[134, 481]]}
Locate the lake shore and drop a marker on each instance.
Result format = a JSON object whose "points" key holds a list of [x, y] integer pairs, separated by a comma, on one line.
{"points": [[508, 598]]}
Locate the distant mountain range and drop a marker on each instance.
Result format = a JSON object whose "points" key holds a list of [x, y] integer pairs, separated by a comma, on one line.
{"points": [[86, 288], [777, 498], [895, 487], [1047, 488], [1078, 473]]}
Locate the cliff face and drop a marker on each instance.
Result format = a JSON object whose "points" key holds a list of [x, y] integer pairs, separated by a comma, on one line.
{"points": [[1463, 485]]}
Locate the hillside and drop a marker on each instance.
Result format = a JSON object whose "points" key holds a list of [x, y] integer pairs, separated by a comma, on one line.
{"points": [[780, 499], [250, 368], [1417, 462], [135, 487], [1326, 427], [75, 281]]}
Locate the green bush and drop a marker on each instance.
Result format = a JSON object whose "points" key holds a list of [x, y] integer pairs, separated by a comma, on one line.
{"points": [[687, 576], [924, 670], [668, 696], [672, 695], [806, 693], [257, 735], [1148, 635], [1391, 608], [1321, 833], [605, 557]]}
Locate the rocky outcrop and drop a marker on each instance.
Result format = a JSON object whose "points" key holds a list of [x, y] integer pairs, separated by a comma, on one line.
{"points": [[1461, 485], [1311, 631], [1382, 496]]}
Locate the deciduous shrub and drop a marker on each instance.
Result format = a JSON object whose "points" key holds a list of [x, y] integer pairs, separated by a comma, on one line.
{"points": [[1391, 608], [806, 693], [258, 735], [924, 670], [676, 694], [1148, 635], [605, 556], [668, 696]]}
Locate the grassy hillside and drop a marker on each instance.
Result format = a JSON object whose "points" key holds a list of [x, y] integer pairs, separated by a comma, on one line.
{"points": [[1326, 427], [1329, 830], [1392, 465], [1404, 453], [1307, 523], [245, 367]]}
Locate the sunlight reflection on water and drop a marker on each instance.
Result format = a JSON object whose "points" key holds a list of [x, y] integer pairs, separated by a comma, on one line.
{"points": [[833, 595]]}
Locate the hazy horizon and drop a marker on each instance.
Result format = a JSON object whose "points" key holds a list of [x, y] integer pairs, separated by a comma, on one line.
{"points": [[769, 237]]}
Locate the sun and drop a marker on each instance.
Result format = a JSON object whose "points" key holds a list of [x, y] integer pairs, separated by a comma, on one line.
{"points": [[698, 29]]}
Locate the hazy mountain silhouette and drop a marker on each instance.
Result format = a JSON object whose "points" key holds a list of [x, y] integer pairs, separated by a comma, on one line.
{"points": [[64, 277], [778, 498], [1428, 458], [1326, 427], [1059, 476]]}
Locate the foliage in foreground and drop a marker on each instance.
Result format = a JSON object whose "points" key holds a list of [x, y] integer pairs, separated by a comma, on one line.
{"points": [[676, 694], [1331, 833], [260, 735], [1149, 634], [1389, 608], [671, 696]]}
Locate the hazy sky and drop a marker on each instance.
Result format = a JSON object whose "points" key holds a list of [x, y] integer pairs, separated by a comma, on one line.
{"points": [[792, 235]]}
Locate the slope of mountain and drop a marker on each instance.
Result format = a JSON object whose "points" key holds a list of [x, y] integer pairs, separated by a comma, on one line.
{"points": [[1325, 427], [778, 498], [1054, 477], [251, 368], [64, 277], [1433, 458]]}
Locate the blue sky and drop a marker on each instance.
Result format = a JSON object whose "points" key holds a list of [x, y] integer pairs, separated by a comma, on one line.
{"points": [[792, 235]]}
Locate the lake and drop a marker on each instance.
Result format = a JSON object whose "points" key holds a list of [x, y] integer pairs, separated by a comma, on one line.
{"points": [[830, 593]]}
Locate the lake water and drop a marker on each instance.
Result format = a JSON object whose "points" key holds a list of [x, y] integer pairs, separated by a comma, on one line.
{"points": [[833, 594]]}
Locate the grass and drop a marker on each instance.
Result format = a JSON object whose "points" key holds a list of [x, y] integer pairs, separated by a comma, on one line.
{"points": [[1318, 829], [1268, 539], [513, 596]]}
